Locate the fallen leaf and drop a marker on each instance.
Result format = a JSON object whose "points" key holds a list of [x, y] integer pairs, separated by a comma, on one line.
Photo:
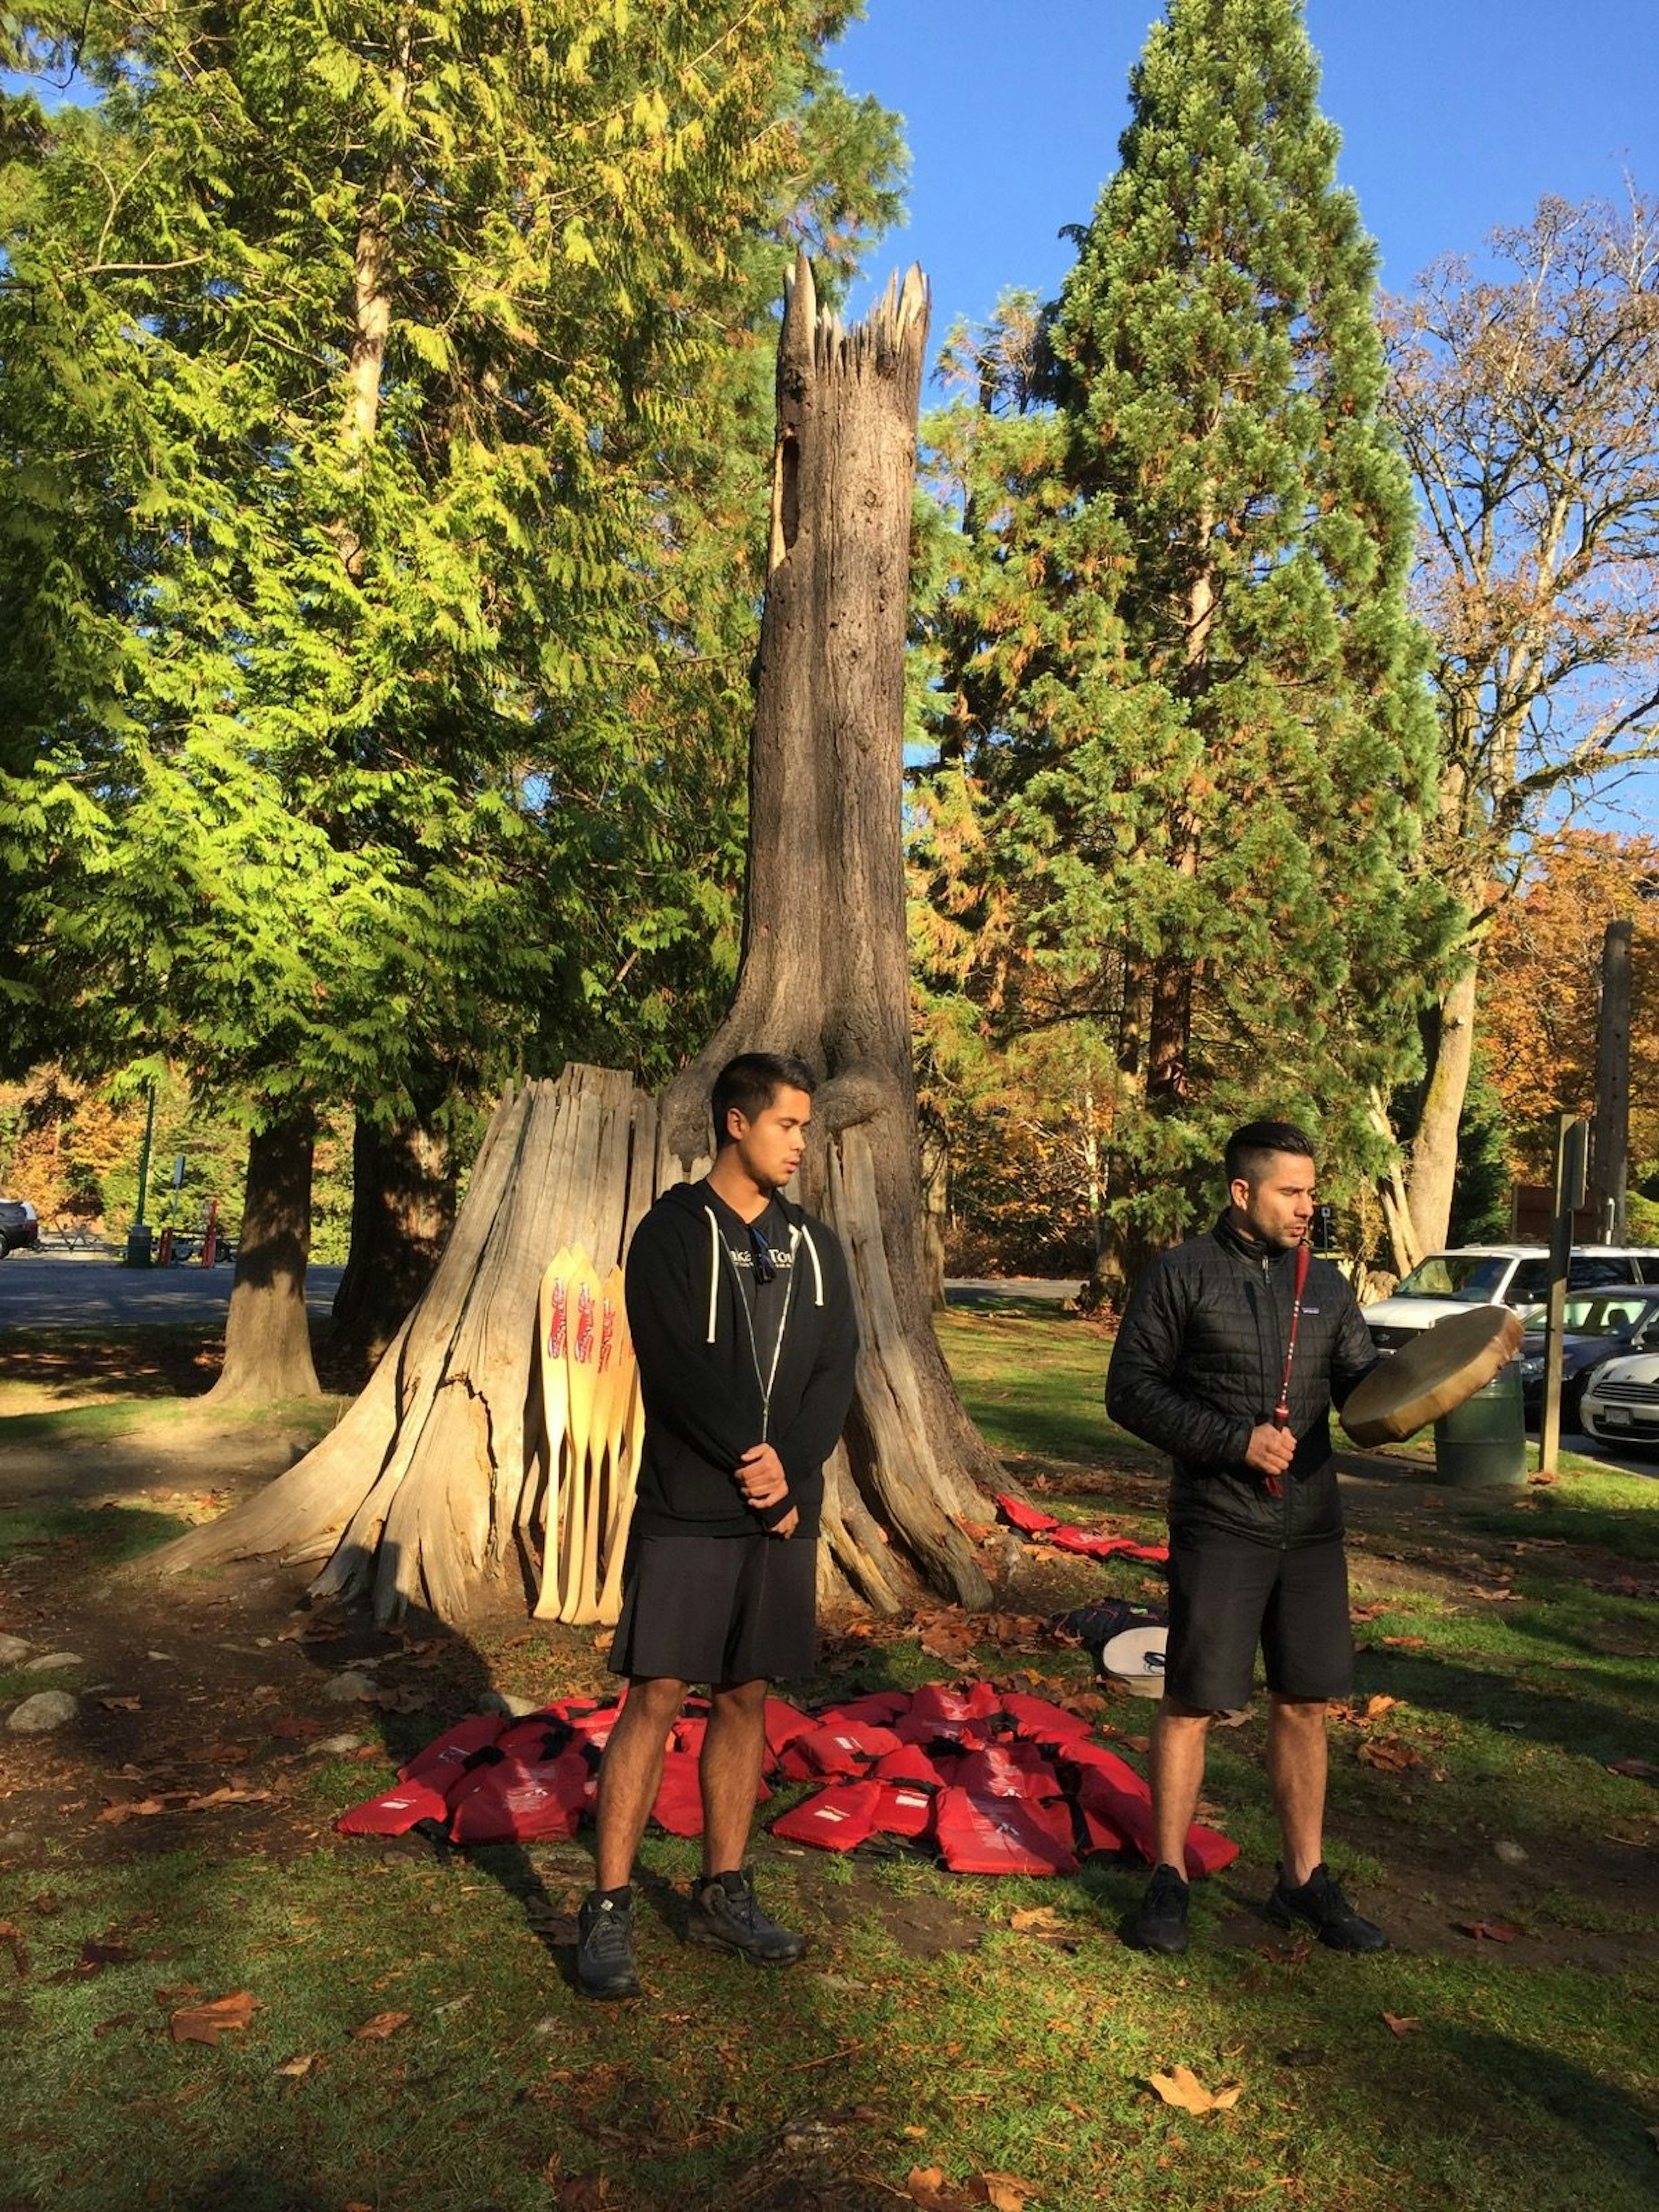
{"points": [[1182, 2087], [1035, 1919], [10, 1933], [1492, 1931], [119, 1705], [226, 1754], [1398, 2025], [1644, 1769], [132, 1808], [297, 2067], [1501, 1596], [975, 1531], [297, 1730], [95, 1957], [1406, 1643], [1388, 1753], [1373, 1612], [1003, 2192], [929, 2189], [382, 2025], [227, 1796], [206, 2023]]}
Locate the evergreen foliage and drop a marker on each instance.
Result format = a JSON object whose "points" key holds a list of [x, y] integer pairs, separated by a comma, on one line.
{"points": [[1180, 695], [381, 516]]}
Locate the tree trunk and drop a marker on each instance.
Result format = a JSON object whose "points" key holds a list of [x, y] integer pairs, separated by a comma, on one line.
{"points": [[402, 1208], [825, 968], [1433, 1170], [267, 1336], [436, 1476]]}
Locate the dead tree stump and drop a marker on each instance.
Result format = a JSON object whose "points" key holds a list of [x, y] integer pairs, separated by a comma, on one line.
{"points": [[418, 1492]]}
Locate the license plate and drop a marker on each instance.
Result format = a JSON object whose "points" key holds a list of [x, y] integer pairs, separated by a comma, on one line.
{"points": [[1616, 1417]]}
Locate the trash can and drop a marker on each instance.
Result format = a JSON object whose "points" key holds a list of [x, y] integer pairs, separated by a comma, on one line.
{"points": [[138, 1244], [1482, 1444]]}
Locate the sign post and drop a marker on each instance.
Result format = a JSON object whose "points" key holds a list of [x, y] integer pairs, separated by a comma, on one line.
{"points": [[1571, 1160]]}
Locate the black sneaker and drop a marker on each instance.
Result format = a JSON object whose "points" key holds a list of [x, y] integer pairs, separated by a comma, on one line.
{"points": [[1320, 1905], [1161, 1923], [604, 1949], [724, 1914]]}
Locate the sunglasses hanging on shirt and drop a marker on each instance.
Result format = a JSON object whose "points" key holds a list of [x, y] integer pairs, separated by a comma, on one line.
{"points": [[761, 1253]]}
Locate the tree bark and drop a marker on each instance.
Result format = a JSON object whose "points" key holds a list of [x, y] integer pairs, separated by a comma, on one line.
{"points": [[267, 1336], [1434, 1148], [402, 1208], [436, 1478], [825, 970]]}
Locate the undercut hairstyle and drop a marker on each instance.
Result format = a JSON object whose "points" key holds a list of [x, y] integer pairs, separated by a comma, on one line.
{"points": [[1249, 1149], [751, 1082]]}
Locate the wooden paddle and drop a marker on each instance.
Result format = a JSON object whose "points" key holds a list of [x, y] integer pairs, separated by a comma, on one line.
{"points": [[627, 1444], [612, 1327], [551, 1316], [581, 1376]]}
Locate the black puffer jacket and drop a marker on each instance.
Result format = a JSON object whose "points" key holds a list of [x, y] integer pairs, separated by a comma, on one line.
{"points": [[1198, 1362]]}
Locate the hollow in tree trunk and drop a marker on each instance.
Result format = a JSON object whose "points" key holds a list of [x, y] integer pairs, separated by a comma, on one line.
{"points": [[267, 1336], [434, 1478]]}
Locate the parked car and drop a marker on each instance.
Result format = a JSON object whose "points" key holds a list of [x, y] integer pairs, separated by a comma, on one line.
{"points": [[20, 1226], [1497, 1275], [1598, 1327], [1620, 1404]]}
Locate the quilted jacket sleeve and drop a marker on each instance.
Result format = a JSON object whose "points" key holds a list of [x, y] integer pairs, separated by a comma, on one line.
{"points": [[1148, 1391]]}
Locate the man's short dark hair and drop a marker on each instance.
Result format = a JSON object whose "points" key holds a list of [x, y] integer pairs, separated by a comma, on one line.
{"points": [[1249, 1149], [751, 1082]]}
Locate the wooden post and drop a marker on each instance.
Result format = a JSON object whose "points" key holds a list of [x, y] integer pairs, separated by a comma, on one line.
{"points": [[1569, 1148]]}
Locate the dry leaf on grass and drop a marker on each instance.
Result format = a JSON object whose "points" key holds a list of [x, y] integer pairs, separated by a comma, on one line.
{"points": [[1643, 1769], [1389, 1754], [1003, 2192], [382, 2025], [1406, 1643], [1182, 2087], [1375, 1611], [206, 2023], [119, 1705], [301, 2065], [225, 1796], [10, 1933], [1036, 1920], [1489, 1931], [1399, 2024], [930, 2190]]}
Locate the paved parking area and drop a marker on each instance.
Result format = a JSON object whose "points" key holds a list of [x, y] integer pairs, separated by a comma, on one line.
{"points": [[81, 1289]]}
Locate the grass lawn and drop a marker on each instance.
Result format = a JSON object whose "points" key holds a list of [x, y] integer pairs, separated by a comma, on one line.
{"points": [[413, 2043]]}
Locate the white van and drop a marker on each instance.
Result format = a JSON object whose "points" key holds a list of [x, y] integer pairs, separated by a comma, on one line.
{"points": [[1496, 1275]]}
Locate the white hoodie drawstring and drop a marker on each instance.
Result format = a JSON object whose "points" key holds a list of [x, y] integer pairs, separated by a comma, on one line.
{"points": [[805, 1235], [713, 1269]]}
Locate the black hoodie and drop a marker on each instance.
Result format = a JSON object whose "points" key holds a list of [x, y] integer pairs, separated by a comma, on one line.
{"points": [[702, 1377]]}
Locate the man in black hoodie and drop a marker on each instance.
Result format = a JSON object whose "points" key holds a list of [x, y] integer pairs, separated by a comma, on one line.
{"points": [[742, 1319], [1202, 1363]]}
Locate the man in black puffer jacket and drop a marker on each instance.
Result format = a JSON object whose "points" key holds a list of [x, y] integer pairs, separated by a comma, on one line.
{"points": [[1202, 1360]]}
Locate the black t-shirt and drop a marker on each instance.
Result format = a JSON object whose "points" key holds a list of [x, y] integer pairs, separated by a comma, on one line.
{"points": [[760, 1252]]}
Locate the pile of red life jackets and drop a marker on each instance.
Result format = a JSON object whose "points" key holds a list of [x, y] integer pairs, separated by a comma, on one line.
{"points": [[1067, 1538], [993, 1781]]}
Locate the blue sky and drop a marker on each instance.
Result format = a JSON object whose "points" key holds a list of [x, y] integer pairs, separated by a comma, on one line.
{"points": [[1456, 115]]}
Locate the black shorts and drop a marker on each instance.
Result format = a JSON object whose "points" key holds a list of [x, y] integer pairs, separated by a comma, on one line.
{"points": [[719, 1609], [1228, 1592]]}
